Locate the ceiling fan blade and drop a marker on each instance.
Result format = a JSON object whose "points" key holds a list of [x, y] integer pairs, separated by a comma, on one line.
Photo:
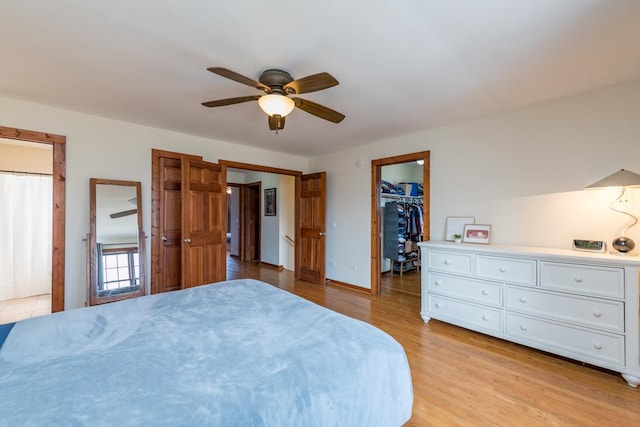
{"points": [[232, 75], [319, 110], [274, 124], [123, 213], [230, 101], [311, 83]]}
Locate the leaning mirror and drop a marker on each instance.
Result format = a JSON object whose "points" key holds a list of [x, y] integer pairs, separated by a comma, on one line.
{"points": [[117, 246]]}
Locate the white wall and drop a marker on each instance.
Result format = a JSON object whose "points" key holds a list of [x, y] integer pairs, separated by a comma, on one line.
{"points": [[25, 157], [286, 215], [233, 225], [103, 148], [270, 228], [522, 171]]}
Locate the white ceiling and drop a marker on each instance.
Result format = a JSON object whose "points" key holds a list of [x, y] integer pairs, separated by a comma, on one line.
{"points": [[403, 65]]}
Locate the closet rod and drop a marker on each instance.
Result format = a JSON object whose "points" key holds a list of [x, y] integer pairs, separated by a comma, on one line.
{"points": [[412, 199], [24, 173]]}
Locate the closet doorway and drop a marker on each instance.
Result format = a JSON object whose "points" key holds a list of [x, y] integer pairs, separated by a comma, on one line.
{"points": [[400, 218], [57, 250]]}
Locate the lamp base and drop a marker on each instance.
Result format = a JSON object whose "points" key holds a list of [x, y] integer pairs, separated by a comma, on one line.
{"points": [[623, 245]]}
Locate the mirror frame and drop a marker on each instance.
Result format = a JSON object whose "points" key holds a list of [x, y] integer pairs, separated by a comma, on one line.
{"points": [[93, 298]]}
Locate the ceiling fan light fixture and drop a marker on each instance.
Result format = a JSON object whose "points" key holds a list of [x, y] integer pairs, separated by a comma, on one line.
{"points": [[276, 104]]}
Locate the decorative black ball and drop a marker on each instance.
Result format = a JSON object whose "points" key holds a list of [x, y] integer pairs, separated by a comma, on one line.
{"points": [[623, 244]]}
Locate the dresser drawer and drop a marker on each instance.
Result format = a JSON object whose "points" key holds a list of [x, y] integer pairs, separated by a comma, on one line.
{"points": [[465, 314], [467, 289], [511, 270], [585, 345], [591, 312], [449, 262], [583, 279]]}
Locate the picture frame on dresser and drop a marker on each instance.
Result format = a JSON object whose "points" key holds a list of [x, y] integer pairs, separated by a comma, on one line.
{"points": [[455, 225], [477, 233]]}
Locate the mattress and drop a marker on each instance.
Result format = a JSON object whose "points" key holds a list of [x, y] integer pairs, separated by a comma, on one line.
{"points": [[236, 353]]}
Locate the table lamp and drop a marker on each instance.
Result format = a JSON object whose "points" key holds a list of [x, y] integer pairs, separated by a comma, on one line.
{"points": [[623, 179]]}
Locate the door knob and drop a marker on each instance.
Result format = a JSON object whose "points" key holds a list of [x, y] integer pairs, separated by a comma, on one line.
{"points": [[322, 233], [187, 240], [164, 238]]}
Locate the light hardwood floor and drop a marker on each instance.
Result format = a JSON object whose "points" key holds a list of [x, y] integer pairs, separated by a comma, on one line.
{"points": [[462, 378]]}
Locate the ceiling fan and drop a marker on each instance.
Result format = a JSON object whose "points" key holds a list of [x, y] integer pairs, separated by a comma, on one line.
{"points": [[277, 102], [127, 212]]}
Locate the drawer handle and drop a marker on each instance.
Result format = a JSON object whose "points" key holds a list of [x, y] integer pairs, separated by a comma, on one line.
{"points": [[522, 299], [447, 261], [502, 269], [578, 279], [438, 305], [485, 317], [485, 292], [597, 346], [597, 313], [438, 282], [523, 327]]}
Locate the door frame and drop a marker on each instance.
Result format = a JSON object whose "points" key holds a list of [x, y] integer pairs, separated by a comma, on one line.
{"points": [[268, 169], [245, 216], [240, 189], [376, 227], [58, 205]]}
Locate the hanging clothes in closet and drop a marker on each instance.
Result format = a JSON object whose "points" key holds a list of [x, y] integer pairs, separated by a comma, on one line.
{"points": [[403, 226]]}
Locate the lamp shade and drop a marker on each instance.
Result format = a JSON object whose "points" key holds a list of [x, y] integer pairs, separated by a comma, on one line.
{"points": [[621, 178], [275, 104]]}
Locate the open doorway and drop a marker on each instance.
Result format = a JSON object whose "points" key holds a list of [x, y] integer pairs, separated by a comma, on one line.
{"points": [[243, 217], [56, 207], [400, 219], [261, 216], [25, 229]]}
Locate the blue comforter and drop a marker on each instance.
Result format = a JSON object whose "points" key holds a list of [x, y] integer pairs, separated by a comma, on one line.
{"points": [[237, 353]]}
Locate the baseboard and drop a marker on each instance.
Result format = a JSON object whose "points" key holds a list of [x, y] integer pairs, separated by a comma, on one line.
{"points": [[277, 267], [348, 286]]}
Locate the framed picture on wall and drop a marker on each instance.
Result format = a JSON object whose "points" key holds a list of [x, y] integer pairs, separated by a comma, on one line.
{"points": [[270, 202], [477, 233]]}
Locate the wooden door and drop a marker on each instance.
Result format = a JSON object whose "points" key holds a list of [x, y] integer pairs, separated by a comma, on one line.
{"points": [[252, 223], [310, 233], [203, 223], [167, 264]]}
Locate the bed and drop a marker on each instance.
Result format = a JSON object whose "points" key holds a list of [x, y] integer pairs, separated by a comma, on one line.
{"points": [[235, 353]]}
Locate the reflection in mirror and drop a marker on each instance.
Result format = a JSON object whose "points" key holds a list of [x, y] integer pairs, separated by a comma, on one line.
{"points": [[117, 252]]}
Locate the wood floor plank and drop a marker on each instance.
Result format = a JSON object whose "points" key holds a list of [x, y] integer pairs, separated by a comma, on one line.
{"points": [[463, 378]]}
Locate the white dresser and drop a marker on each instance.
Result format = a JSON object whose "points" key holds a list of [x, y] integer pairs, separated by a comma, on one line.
{"points": [[584, 306]]}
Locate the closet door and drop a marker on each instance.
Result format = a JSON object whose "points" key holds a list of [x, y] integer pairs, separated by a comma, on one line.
{"points": [[203, 223], [187, 203], [166, 221], [311, 228]]}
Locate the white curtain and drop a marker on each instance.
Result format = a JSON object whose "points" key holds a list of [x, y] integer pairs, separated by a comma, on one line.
{"points": [[25, 235]]}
